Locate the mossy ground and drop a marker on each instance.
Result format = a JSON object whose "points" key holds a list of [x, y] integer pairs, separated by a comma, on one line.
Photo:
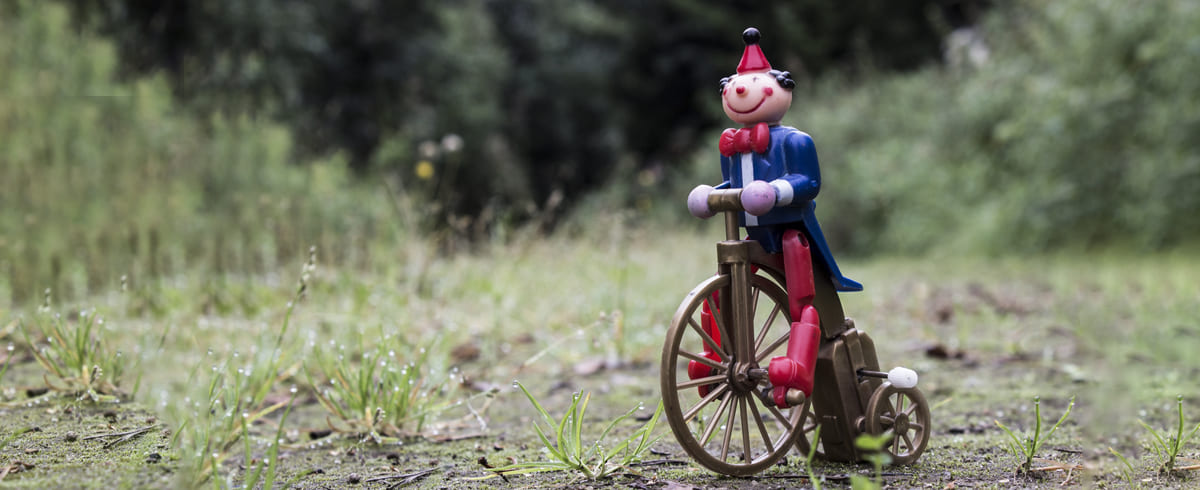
{"points": [[987, 335]]}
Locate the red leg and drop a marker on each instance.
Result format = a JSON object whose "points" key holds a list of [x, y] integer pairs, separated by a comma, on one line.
{"points": [[797, 369]]}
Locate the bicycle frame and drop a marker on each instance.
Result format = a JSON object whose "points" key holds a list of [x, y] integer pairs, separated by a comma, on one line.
{"points": [[844, 351]]}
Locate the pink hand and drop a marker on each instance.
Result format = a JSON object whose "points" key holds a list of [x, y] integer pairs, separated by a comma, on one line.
{"points": [[758, 198], [698, 202]]}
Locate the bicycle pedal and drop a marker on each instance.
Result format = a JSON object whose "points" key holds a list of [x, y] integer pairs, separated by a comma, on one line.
{"points": [[764, 395]]}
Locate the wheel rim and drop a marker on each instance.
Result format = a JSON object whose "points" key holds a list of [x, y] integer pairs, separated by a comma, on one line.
{"points": [[732, 429], [903, 413]]}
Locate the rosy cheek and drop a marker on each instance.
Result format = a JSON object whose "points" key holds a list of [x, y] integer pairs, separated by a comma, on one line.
{"points": [[767, 91]]}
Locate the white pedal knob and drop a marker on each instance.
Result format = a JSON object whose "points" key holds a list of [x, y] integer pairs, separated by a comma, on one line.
{"points": [[902, 378]]}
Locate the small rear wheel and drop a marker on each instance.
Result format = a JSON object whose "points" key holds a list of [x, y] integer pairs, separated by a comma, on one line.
{"points": [[903, 413], [721, 417]]}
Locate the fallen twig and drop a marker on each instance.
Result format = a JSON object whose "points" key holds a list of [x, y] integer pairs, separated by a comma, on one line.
{"points": [[1052, 465], [15, 467], [119, 437], [404, 479], [661, 462]]}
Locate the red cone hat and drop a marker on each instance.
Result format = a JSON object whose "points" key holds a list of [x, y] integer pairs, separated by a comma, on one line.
{"points": [[753, 58]]}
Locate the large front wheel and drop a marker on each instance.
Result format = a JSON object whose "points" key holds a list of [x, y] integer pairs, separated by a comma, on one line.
{"points": [[716, 408]]}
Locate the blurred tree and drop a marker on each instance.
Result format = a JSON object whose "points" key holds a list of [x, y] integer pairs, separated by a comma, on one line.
{"points": [[532, 100]]}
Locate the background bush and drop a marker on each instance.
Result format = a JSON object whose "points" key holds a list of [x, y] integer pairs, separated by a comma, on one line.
{"points": [[1082, 130], [547, 100], [232, 147], [103, 179]]}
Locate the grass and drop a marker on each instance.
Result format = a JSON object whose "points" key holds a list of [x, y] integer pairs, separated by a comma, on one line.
{"points": [[77, 358], [1026, 449], [1023, 327], [571, 453], [1167, 447], [184, 233], [874, 445], [379, 397]]}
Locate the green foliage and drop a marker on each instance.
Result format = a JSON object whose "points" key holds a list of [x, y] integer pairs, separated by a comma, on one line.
{"points": [[1167, 446], [77, 358], [213, 421], [1127, 472], [104, 179], [266, 469], [546, 98], [569, 451], [1079, 130], [381, 395], [217, 419], [8, 356], [811, 456], [1027, 449], [875, 446]]}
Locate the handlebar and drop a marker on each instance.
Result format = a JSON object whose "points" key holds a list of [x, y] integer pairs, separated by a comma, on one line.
{"points": [[721, 200], [728, 201]]}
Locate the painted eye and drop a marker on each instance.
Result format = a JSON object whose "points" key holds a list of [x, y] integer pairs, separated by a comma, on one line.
{"points": [[768, 91]]}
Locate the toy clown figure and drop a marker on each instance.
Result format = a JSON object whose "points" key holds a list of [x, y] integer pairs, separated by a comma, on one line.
{"points": [[776, 168]]}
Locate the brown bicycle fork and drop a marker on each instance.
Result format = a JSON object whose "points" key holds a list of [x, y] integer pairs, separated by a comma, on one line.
{"points": [[846, 356]]}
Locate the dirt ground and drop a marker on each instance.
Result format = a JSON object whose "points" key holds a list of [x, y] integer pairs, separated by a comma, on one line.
{"points": [[1120, 340]]}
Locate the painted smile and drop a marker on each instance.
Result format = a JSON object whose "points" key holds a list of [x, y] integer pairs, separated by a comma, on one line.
{"points": [[747, 111]]}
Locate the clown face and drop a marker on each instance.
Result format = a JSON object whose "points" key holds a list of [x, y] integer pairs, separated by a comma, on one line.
{"points": [[755, 97]]}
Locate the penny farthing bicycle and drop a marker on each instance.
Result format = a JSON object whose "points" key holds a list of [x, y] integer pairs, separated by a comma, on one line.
{"points": [[716, 392]]}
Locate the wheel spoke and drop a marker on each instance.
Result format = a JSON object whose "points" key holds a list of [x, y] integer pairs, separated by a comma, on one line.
{"points": [[722, 388], [728, 432], [779, 417], [762, 334], [887, 421], [899, 404], [715, 420], [754, 302], [919, 428], [708, 340], [745, 431], [808, 417], [771, 348], [725, 338], [907, 441], [700, 381], [762, 428], [702, 360], [911, 409]]}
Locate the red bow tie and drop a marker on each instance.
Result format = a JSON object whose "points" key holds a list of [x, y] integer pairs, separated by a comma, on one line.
{"points": [[745, 140]]}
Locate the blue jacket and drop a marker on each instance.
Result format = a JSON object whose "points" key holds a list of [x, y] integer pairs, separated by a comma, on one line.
{"points": [[790, 162]]}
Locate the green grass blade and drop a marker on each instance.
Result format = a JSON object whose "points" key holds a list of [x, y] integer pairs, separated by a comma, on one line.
{"points": [[1157, 444], [541, 410], [1062, 419], [564, 444], [555, 451], [646, 440], [608, 429], [577, 425]]}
